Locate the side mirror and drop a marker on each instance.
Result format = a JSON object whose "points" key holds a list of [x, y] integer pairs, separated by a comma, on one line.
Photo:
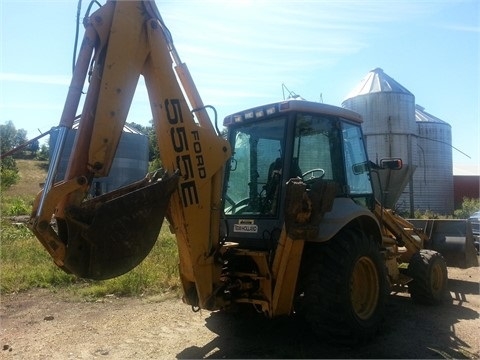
{"points": [[360, 168], [391, 163]]}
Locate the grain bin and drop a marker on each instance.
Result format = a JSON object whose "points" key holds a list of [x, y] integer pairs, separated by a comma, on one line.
{"points": [[433, 179], [130, 163], [388, 111]]}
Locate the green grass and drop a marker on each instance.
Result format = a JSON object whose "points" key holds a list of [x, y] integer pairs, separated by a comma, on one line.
{"points": [[24, 262], [26, 265]]}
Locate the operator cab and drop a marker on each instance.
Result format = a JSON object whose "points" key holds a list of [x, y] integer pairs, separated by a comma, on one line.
{"points": [[291, 139]]}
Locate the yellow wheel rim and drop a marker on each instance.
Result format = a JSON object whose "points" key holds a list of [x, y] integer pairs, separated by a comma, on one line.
{"points": [[437, 278], [364, 288]]}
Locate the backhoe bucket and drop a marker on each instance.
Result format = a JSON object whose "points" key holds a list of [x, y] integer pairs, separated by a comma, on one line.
{"points": [[109, 235], [451, 238]]}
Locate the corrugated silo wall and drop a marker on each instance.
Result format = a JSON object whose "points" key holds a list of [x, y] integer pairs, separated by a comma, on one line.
{"points": [[390, 130], [433, 179], [130, 163]]}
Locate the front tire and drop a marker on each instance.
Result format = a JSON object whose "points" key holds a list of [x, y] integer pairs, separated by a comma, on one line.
{"points": [[428, 270], [344, 288]]}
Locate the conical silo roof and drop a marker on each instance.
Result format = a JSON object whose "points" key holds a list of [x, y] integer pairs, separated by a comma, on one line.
{"points": [[422, 116], [377, 81]]}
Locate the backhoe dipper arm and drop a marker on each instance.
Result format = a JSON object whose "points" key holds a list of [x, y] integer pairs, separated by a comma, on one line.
{"points": [[110, 234]]}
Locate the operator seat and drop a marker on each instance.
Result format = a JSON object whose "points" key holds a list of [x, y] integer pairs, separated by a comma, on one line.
{"points": [[274, 176], [273, 183], [272, 186]]}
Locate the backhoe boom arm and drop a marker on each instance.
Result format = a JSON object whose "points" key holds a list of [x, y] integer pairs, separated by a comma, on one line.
{"points": [[110, 234]]}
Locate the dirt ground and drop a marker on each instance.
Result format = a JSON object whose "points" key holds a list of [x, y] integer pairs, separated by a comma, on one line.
{"points": [[41, 324]]}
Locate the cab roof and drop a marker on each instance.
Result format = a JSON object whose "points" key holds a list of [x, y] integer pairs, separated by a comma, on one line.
{"points": [[262, 111]]}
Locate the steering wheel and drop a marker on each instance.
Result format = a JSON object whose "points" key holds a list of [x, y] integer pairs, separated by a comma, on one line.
{"points": [[312, 172], [237, 207], [230, 200]]}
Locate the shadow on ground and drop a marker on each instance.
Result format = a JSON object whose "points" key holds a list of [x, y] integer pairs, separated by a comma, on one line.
{"points": [[409, 331]]}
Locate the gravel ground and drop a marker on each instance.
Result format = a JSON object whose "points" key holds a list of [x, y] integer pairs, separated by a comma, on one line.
{"points": [[40, 324]]}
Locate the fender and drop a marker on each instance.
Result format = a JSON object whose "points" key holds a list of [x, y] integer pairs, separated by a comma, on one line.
{"points": [[344, 211]]}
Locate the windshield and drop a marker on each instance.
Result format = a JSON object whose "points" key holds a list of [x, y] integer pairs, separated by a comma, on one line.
{"points": [[255, 164]]}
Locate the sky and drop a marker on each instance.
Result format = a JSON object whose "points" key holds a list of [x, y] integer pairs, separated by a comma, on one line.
{"points": [[241, 52]]}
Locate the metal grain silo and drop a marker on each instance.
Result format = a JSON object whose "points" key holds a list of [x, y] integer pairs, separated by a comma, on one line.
{"points": [[130, 163], [388, 111], [433, 179]]}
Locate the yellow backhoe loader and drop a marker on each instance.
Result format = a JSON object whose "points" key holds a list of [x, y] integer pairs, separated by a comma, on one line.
{"points": [[280, 216]]}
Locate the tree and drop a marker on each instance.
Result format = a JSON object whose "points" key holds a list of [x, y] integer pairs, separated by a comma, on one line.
{"points": [[34, 146], [10, 138], [8, 135], [469, 206], [8, 167], [44, 153], [20, 137]]}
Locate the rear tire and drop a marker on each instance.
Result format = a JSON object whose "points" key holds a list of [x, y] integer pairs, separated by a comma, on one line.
{"points": [[343, 288], [428, 270]]}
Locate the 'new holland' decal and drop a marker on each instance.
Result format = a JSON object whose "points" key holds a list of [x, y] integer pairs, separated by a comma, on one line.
{"points": [[245, 226]]}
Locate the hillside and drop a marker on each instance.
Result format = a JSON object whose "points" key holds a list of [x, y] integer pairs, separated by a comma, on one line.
{"points": [[32, 175]]}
